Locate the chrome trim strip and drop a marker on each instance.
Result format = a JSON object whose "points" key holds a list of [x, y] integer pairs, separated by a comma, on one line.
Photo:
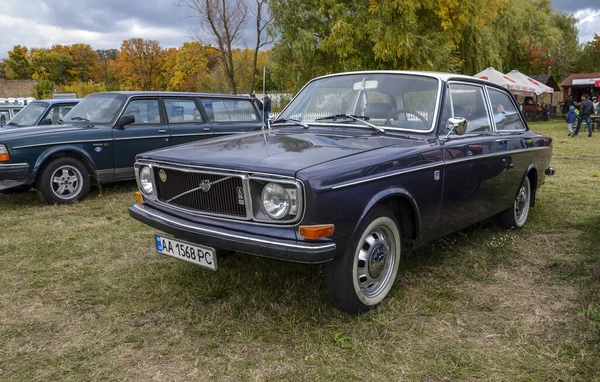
{"points": [[217, 233], [146, 137], [404, 171], [189, 135], [62, 143], [8, 165], [180, 166], [438, 164]]}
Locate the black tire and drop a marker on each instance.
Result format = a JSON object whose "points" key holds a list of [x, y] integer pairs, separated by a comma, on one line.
{"points": [[63, 181], [359, 279], [516, 216]]}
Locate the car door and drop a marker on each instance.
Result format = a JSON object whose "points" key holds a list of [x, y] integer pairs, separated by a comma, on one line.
{"points": [[475, 163], [148, 132], [231, 115], [185, 120], [512, 131]]}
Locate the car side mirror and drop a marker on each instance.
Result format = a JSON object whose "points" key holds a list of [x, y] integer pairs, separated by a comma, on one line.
{"points": [[456, 125], [125, 120], [46, 121]]}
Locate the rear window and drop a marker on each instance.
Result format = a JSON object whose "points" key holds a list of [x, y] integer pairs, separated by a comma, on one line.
{"points": [[230, 110]]}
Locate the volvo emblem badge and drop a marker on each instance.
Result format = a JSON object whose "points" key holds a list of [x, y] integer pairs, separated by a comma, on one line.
{"points": [[205, 185], [162, 175]]}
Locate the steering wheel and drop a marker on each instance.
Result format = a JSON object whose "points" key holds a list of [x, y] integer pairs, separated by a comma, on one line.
{"points": [[388, 120]]}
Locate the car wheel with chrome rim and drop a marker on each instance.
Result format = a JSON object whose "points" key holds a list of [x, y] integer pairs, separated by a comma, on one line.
{"points": [[63, 181], [363, 276], [516, 216]]}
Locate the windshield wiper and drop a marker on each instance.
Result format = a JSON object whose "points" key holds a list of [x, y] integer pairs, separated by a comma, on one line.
{"points": [[358, 118], [13, 124], [87, 121], [304, 125]]}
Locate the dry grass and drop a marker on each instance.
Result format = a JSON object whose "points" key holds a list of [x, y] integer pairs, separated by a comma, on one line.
{"points": [[84, 297]]}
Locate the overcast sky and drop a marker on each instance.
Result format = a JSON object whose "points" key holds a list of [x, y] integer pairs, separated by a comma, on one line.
{"points": [[104, 24]]}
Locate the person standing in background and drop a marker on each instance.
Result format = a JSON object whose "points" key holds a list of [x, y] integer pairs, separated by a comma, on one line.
{"points": [[570, 118], [257, 102], [266, 107], [586, 109]]}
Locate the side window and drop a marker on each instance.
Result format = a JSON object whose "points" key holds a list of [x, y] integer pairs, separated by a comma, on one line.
{"points": [[145, 111], [468, 102], [58, 112], [506, 115], [230, 110], [182, 110]]}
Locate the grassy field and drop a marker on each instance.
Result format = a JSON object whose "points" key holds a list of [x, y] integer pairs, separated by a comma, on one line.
{"points": [[84, 296]]}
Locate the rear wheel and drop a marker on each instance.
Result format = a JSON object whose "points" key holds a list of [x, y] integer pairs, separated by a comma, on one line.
{"points": [[516, 216], [63, 181], [363, 276]]}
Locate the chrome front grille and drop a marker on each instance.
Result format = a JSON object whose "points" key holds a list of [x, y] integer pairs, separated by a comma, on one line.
{"points": [[200, 191]]}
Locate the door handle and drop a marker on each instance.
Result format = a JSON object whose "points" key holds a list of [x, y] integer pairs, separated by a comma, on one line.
{"points": [[206, 129], [162, 130], [501, 141]]}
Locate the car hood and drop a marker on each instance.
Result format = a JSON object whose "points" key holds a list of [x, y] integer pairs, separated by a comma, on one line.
{"points": [[22, 132], [273, 152]]}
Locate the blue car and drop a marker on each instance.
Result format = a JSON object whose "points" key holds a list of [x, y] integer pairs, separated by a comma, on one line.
{"points": [[357, 168], [46, 112], [99, 138]]}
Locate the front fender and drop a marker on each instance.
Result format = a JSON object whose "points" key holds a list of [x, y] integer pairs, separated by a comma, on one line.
{"points": [[392, 193], [43, 158]]}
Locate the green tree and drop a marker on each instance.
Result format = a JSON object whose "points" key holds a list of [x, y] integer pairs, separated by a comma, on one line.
{"points": [[54, 64], [19, 63], [588, 62], [107, 68]]}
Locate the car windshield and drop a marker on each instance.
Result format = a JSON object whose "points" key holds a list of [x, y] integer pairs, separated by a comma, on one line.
{"points": [[29, 115], [98, 108], [393, 101]]}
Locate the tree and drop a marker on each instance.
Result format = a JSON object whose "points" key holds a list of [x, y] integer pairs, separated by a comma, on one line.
{"points": [[85, 62], [139, 64], [190, 68], [590, 56], [262, 39], [223, 21], [107, 63], [19, 63], [54, 64]]}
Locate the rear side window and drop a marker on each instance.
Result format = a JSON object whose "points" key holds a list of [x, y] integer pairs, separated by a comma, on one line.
{"points": [[182, 110], [229, 110], [506, 115], [468, 102], [145, 111]]}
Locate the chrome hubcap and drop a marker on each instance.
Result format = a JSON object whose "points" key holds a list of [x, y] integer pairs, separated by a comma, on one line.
{"points": [[66, 182], [522, 204], [375, 261]]}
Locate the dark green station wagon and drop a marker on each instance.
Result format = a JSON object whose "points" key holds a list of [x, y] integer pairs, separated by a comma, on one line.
{"points": [[100, 137]]}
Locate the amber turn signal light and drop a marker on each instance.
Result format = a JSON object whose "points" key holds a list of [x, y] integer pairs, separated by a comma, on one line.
{"points": [[139, 197], [4, 155], [316, 231]]}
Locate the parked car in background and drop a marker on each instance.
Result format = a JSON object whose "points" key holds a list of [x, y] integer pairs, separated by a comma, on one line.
{"points": [[356, 168], [101, 135], [46, 112], [8, 111]]}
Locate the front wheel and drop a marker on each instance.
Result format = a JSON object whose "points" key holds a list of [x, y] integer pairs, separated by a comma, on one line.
{"points": [[362, 277], [63, 181], [516, 216]]}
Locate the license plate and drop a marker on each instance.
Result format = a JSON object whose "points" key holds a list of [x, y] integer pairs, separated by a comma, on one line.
{"points": [[183, 250]]}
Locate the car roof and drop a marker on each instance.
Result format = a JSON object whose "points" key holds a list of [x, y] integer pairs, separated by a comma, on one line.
{"points": [[439, 75], [172, 94], [56, 100]]}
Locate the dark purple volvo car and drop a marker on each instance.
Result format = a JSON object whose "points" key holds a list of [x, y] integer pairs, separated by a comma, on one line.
{"points": [[357, 167]]}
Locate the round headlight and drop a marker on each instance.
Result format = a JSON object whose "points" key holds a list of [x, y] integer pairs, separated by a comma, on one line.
{"points": [[146, 180], [275, 201]]}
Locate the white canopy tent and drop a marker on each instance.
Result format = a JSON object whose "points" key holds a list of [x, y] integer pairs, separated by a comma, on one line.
{"points": [[539, 88], [516, 86]]}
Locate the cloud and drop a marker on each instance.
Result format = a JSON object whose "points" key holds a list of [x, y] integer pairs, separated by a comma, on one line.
{"points": [[588, 21]]}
